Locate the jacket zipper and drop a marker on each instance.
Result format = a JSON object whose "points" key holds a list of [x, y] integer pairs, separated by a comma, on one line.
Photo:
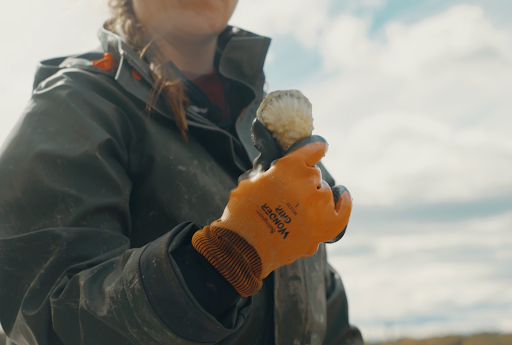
{"points": [[199, 119], [192, 116]]}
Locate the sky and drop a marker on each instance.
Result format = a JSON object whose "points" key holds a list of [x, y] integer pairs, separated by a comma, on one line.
{"points": [[412, 98]]}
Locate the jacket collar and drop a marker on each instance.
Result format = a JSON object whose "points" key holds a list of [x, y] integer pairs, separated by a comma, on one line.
{"points": [[240, 56]]}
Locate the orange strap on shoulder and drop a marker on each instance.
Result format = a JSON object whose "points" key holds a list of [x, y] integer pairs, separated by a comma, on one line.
{"points": [[106, 64]]}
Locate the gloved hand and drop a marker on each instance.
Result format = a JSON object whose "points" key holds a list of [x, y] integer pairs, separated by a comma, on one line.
{"points": [[275, 217]]}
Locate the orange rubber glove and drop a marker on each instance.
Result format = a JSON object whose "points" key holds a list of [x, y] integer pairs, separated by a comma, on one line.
{"points": [[274, 218]]}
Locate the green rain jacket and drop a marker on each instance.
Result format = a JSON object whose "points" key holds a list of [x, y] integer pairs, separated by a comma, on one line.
{"points": [[95, 194]]}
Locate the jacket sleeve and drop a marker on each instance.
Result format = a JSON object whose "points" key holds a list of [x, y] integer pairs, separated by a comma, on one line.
{"points": [[339, 331], [68, 274]]}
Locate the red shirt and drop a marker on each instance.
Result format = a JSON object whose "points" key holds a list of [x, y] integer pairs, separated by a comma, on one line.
{"points": [[213, 87]]}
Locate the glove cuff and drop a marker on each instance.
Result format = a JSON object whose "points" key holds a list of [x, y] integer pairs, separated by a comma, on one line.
{"points": [[232, 256]]}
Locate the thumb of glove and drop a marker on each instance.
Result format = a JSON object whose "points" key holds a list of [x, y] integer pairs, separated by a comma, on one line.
{"points": [[313, 150], [266, 144]]}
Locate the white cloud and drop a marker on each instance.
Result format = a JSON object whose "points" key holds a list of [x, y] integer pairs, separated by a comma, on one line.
{"points": [[345, 44], [428, 279], [302, 19], [421, 114], [43, 30], [397, 157]]}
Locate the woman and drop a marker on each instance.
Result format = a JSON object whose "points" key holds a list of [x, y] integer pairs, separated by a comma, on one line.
{"points": [[118, 154]]}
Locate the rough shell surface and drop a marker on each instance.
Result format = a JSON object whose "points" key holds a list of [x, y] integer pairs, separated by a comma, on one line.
{"points": [[288, 115]]}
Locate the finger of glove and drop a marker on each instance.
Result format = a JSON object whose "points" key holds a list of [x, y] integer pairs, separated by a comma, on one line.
{"points": [[343, 206], [339, 237], [341, 215], [337, 192]]}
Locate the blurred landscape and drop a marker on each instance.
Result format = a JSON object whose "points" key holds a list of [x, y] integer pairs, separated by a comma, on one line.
{"points": [[477, 339]]}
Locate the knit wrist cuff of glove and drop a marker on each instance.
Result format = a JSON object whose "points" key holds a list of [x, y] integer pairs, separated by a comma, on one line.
{"points": [[232, 256]]}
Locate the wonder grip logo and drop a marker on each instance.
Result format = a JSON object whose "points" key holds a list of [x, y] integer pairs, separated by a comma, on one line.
{"points": [[276, 218]]}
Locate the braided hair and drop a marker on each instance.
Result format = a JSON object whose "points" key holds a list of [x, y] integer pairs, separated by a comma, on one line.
{"points": [[167, 84]]}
